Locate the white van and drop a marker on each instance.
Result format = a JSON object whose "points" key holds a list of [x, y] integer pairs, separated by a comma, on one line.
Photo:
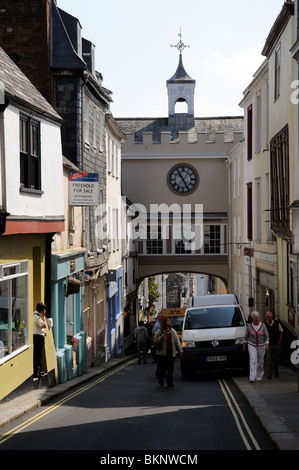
{"points": [[216, 299], [212, 335]]}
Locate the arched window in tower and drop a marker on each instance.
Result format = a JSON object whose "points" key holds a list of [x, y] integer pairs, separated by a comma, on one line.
{"points": [[181, 106]]}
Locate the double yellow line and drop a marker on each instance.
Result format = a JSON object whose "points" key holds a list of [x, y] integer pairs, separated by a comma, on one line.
{"points": [[233, 405], [53, 407], [238, 417]]}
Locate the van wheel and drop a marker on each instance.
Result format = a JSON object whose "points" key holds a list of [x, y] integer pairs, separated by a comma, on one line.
{"points": [[186, 372]]}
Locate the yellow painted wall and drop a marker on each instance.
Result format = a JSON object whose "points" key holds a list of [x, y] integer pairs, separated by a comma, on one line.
{"points": [[14, 248], [220, 287]]}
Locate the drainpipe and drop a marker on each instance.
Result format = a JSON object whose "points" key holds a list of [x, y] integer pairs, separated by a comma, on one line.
{"points": [[3, 202], [2, 158], [48, 278], [94, 318], [80, 163]]}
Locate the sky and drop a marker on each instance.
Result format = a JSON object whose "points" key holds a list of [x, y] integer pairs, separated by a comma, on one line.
{"points": [[133, 52]]}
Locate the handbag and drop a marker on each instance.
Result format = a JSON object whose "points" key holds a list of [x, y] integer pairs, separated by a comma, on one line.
{"points": [[158, 344]]}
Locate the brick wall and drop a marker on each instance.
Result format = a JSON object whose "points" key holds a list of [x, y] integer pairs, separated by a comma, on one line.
{"points": [[24, 36]]}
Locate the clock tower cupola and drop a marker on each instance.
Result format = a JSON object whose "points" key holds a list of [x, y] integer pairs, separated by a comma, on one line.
{"points": [[180, 88]]}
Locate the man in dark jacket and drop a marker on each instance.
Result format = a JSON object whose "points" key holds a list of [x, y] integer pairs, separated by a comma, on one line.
{"points": [[275, 337], [141, 335]]}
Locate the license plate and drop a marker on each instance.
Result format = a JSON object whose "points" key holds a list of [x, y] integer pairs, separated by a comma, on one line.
{"points": [[216, 358]]}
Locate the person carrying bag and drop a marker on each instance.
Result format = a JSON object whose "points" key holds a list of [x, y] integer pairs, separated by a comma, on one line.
{"points": [[167, 344]]}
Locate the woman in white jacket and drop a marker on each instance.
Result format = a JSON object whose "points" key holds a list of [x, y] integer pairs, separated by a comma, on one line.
{"points": [[167, 344]]}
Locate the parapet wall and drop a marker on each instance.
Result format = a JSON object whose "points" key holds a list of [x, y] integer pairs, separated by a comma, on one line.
{"points": [[211, 134], [183, 137], [185, 142]]}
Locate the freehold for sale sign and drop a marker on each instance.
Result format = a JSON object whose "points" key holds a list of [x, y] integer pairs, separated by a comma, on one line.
{"points": [[83, 189]]}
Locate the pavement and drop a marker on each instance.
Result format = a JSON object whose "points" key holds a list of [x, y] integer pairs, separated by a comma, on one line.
{"points": [[275, 402]]}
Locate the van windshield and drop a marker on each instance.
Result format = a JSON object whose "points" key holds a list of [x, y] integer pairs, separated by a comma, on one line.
{"points": [[213, 317], [177, 323]]}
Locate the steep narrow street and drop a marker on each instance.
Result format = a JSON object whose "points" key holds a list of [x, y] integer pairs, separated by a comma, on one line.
{"points": [[125, 410]]}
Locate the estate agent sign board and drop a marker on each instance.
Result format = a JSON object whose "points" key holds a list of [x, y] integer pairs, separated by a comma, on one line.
{"points": [[83, 189]]}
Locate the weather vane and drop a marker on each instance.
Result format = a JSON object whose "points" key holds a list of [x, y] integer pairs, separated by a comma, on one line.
{"points": [[180, 46]]}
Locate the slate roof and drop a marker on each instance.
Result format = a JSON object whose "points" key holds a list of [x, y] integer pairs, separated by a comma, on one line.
{"points": [[180, 75], [63, 48], [63, 53], [19, 89]]}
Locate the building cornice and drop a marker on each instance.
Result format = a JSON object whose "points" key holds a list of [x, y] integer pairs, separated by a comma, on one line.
{"points": [[278, 27], [114, 127]]}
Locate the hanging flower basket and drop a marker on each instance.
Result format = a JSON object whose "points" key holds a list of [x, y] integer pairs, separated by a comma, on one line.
{"points": [[72, 286]]}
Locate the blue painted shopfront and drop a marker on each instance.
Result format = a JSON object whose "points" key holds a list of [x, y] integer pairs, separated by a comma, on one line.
{"points": [[69, 336], [115, 322]]}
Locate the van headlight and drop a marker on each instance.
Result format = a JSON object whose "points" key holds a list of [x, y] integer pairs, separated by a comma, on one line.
{"points": [[188, 344], [239, 340]]}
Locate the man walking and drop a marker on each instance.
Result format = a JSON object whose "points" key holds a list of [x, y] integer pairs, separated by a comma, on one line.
{"points": [[275, 337], [141, 335]]}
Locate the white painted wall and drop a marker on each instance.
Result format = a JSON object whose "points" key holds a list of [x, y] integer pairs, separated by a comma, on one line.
{"points": [[114, 201], [50, 203]]}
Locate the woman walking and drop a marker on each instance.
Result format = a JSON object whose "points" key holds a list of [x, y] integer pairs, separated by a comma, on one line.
{"points": [[257, 339], [167, 343]]}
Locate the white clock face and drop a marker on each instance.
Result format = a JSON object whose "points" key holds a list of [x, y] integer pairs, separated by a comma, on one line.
{"points": [[183, 179]]}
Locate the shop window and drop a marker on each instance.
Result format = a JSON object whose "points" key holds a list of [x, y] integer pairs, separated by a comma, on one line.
{"points": [[13, 308]]}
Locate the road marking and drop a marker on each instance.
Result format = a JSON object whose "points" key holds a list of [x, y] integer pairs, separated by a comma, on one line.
{"points": [[224, 387], [51, 408], [236, 412]]}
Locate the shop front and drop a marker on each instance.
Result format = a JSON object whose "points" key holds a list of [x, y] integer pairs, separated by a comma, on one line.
{"points": [[265, 288], [22, 286], [69, 335], [115, 314]]}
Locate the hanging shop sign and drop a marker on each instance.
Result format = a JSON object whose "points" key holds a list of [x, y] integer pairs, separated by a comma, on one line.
{"points": [[83, 189]]}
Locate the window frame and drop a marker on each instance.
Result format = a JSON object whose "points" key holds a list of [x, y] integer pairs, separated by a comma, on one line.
{"points": [[249, 131], [280, 190], [277, 72], [258, 121], [249, 212], [86, 123], [212, 239], [30, 153], [6, 275]]}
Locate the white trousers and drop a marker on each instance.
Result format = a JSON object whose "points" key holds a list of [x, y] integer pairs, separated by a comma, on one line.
{"points": [[256, 362]]}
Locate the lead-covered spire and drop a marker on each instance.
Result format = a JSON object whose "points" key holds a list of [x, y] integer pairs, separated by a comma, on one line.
{"points": [[180, 89]]}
